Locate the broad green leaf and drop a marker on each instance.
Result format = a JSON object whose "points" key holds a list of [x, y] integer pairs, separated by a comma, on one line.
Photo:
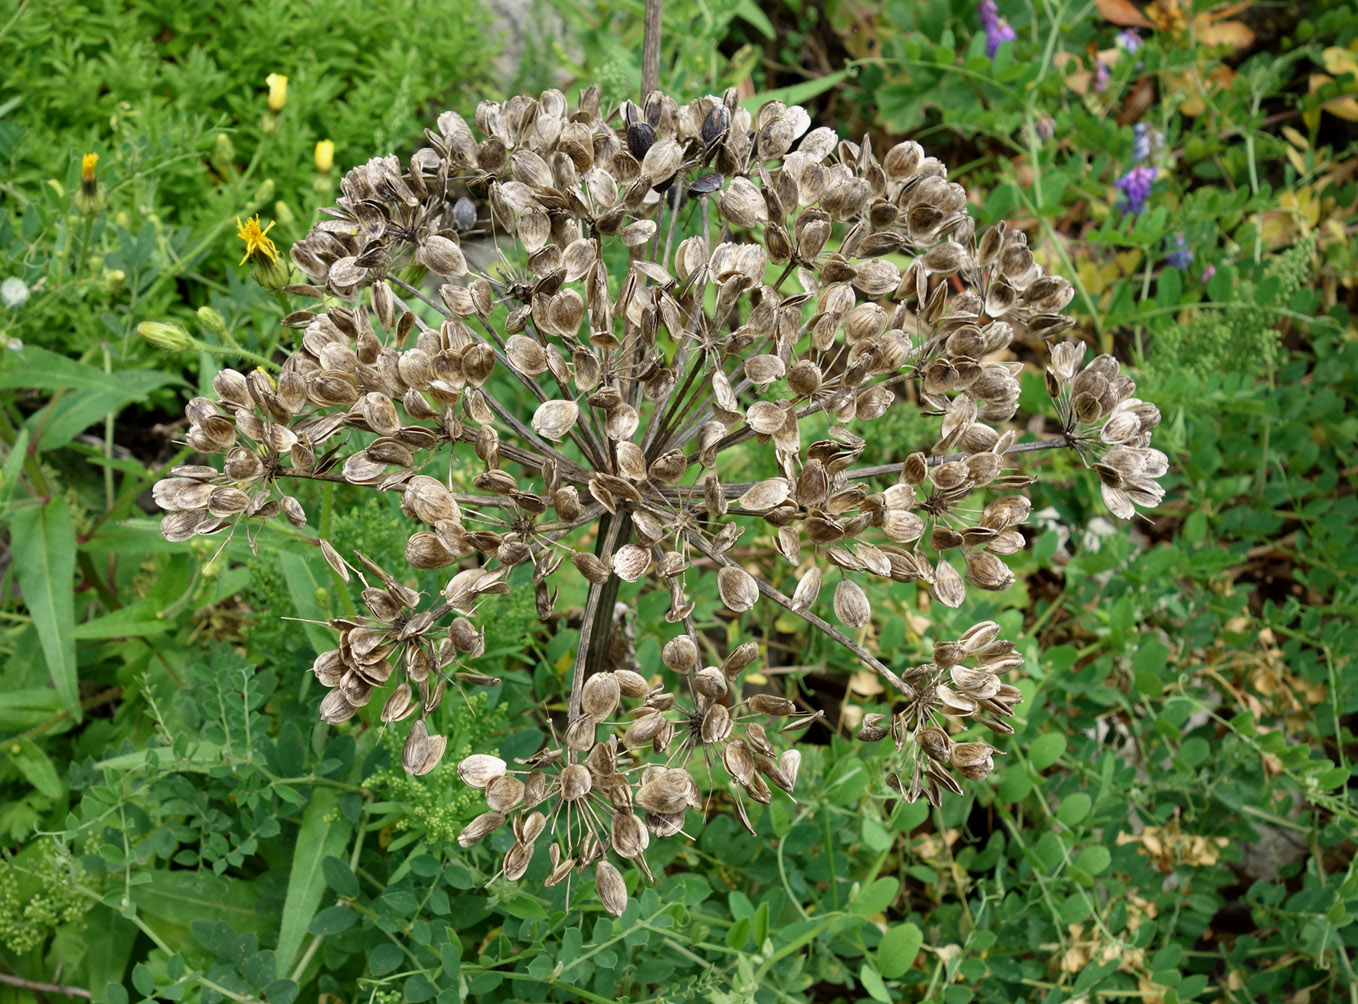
{"points": [[34, 765], [303, 584], [110, 947], [176, 899], [90, 393], [129, 622], [43, 542], [324, 832], [20, 710], [760, 928], [898, 949], [201, 756]]}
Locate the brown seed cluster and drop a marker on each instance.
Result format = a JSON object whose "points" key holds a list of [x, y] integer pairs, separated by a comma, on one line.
{"points": [[694, 316], [596, 798]]}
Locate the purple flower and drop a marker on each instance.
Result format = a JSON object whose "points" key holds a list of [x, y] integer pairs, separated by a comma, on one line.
{"points": [[1101, 74], [1136, 186], [1182, 255], [1145, 141], [1207, 274], [997, 29], [1129, 39]]}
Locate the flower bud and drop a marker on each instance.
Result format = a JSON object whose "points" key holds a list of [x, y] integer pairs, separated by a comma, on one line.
{"points": [[278, 91], [325, 155], [212, 321], [166, 335]]}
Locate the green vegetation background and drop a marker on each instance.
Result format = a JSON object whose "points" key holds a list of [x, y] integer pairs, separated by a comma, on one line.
{"points": [[1174, 818]]}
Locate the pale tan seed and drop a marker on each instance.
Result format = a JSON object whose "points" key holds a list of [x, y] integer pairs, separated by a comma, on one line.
{"points": [[504, 793], [737, 588], [479, 769], [599, 696], [481, 826], [851, 604], [612, 890]]}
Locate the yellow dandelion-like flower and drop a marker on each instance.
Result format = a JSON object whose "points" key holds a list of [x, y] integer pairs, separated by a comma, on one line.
{"points": [[89, 199], [257, 243]]}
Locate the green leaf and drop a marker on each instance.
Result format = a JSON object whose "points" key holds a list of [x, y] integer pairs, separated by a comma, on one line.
{"points": [[384, 959], [91, 393], [898, 949], [1074, 808], [43, 542], [872, 983], [110, 946], [137, 620], [797, 93], [34, 765], [176, 899], [760, 929], [418, 989], [340, 877], [524, 907], [14, 465], [20, 710], [333, 920], [749, 11], [876, 897], [303, 585], [143, 980], [1093, 860], [738, 933], [1046, 749], [323, 832]]}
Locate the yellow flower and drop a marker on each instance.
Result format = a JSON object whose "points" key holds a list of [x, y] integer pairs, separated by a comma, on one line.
{"points": [[325, 155], [257, 243], [278, 91], [89, 199]]}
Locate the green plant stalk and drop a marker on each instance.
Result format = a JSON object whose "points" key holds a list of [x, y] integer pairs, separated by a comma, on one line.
{"points": [[79, 266], [234, 349]]}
